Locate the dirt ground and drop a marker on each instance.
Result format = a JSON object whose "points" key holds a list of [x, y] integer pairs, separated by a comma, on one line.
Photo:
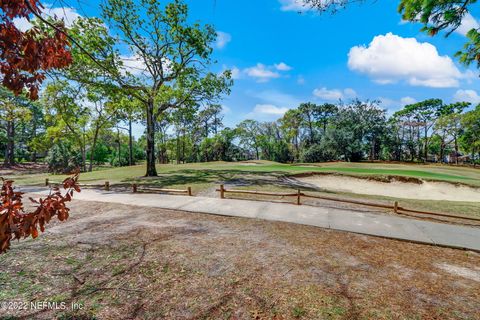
{"points": [[424, 190], [27, 168], [127, 262]]}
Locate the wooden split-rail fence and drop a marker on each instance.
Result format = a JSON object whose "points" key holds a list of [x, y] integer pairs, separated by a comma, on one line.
{"points": [[297, 196], [134, 187]]}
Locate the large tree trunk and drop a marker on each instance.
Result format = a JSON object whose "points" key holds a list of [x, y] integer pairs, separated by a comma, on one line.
{"points": [[10, 150], [151, 169]]}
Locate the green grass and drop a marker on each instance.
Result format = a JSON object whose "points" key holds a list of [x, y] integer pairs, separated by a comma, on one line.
{"points": [[263, 175], [174, 175]]}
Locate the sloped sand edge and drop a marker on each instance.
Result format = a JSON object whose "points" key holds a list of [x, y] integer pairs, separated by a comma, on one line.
{"points": [[397, 187]]}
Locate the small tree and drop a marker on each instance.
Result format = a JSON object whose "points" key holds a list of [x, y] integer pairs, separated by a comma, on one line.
{"points": [[172, 58]]}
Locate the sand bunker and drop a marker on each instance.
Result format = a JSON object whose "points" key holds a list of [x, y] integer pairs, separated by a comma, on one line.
{"points": [[426, 190]]}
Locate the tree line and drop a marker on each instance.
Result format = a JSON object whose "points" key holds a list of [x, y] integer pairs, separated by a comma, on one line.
{"points": [[66, 132], [156, 70]]}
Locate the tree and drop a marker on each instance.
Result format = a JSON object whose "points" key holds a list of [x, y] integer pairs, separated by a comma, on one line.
{"points": [[449, 127], [470, 138], [325, 113], [102, 113], [425, 114], [248, 131], [13, 110], [183, 121], [174, 55], [67, 118], [210, 119], [128, 110], [290, 124], [26, 55], [309, 112], [357, 129]]}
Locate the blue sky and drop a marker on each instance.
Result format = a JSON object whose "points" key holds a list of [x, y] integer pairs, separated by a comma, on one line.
{"points": [[282, 57], [265, 34]]}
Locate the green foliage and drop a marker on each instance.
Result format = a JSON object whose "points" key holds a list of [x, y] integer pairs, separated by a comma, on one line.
{"points": [[62, 158], [319, 153]]}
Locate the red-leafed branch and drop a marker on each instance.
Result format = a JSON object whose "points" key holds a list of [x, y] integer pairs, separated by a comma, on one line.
{"points": [[15, 223], [25, 56]]}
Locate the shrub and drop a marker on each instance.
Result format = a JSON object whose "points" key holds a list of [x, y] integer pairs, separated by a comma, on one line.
{"points": [[62, 158], [318, 153]]}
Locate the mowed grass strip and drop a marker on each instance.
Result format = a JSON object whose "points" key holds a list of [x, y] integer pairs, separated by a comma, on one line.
{"points": [[195, 173]]}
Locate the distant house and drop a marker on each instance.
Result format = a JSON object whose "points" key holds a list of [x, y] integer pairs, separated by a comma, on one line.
{"points": [[459, 158]]}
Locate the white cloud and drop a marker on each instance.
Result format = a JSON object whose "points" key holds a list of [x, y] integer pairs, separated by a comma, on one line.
{"points": [[236, 73], [261, 73], [390, 58], [301, 80], [266, 112], [68, 15], [393, 104], [467, 96], [276, 98], [349, 93], [272, 104], [223, 39], [269, 109], [293, 5], [468, 23], [407, 100], [282, 66], [22, 24], [225, 110], [334, 94], [133, 64]]}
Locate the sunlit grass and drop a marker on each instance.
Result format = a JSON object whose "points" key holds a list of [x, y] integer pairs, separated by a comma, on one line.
{"points": [[198, 173]]}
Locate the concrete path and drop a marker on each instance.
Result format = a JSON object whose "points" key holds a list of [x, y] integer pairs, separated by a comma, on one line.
{"points": [[338, 219]]}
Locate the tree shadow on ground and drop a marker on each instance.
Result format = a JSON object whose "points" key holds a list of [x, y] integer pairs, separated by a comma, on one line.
{"points": [[189, 176]]}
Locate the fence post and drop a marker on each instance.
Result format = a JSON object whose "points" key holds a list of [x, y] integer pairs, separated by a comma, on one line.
{"points": [[107, 186], [395, 207], [298, 197], [222, 192], [189, 189], [46, 182], [134, 188]]}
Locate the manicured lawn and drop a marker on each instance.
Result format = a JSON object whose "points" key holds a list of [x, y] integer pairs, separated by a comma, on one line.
{"points": [[199, 173], [265, 175]]}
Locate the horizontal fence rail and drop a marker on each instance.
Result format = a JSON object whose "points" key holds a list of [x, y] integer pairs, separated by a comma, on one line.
{"points": [[395, 207], [297, 196], [136, 188], [222, 191]]}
